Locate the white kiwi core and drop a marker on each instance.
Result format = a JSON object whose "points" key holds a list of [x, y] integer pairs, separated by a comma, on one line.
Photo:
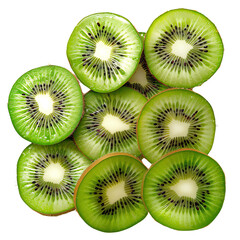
{"points": [[103, 51], [178, 128], [54, 173], [45, 103], [114, 124], [116, 192], [181, 48], [185, 188], [139, 76]]}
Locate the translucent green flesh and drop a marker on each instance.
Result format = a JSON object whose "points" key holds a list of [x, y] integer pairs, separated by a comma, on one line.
{"points": [[104, 75], [150, 85], [93, 139], [92, 200], [184, 213], [48, 197], [179, 105], [196, 30], [65, 92]]}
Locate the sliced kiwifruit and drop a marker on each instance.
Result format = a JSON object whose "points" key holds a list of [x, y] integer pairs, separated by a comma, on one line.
{"points": [[143, 81], [184, 190], [108, 194], [47, 176], [46, 104], [174, 119], [104, 50], [109, 123], [183, 48]]}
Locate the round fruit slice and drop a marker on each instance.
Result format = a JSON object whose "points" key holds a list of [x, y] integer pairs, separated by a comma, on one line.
{"points": [[183, 48], [143, 81], [104, 50], [109, 123], [174, 119], [47, 176], [184, 190], [108, 194], [46, 104]]}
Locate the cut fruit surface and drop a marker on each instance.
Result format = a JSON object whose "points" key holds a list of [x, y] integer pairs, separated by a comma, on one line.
{"points": [[109, 123], [174, 119], [46, 105], [183, 48], [108, 194], [104, 50], [143, 81], [47, 176], [184, 190]]}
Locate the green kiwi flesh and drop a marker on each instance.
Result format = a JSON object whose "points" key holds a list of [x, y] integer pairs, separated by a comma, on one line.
{"points": [[183, 48], [46, 104], [184, 190], [108, 194], [47, 176], [143, 81], [109, 123], [174, 119], [104, 50]]}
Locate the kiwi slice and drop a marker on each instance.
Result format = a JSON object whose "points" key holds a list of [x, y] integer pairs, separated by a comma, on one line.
{"points": [[183, 48], [47, 176], [46, 104], [184, 190], [174, 119], [108, 194], [104, 50], [143, 81], [109, 123]]}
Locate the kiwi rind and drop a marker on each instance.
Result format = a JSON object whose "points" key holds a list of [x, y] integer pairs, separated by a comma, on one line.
{"points": [[110, 227], [103, 83], [37, 127], [202, 68], [170, 220], [205, 147], [46, 197]]}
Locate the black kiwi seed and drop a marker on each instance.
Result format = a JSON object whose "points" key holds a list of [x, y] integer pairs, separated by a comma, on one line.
{"points": [[152, 87], [32, 105]]}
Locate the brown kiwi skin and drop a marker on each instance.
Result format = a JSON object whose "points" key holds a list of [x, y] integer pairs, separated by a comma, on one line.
{"points": [[164, 156], [94, 164], [57, 214], [170, 89]]}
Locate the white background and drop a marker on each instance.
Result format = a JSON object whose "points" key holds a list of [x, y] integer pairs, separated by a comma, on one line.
{"points": [[35, 33]]}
